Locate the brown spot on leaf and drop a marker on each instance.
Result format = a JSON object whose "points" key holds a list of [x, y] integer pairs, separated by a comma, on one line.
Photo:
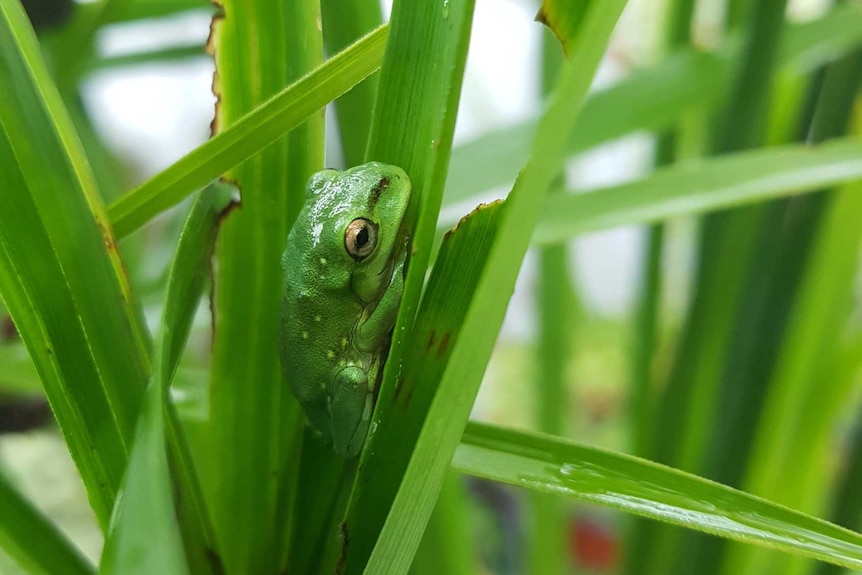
{"points": [[215, 24], [444, 344], [107, 237], [542, 16], [475, 210], [345, 543], [400, 385], [214, 561], [8, 332], [431, 337], [564, 21], [409, 395], [233, 204], [224, 214], [216, 90]]}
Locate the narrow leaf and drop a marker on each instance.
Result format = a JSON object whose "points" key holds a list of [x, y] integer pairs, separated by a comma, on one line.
{"points": [[260, 47], [703, 186], [32, 541], [412, 127], [144, 537], [60, 271], [651, 99], [343, 23], [554, 465], [248, 135], [479, 327]]}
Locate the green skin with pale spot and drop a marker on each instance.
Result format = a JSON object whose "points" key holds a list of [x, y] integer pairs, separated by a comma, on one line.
{"points": [[338, 309]]}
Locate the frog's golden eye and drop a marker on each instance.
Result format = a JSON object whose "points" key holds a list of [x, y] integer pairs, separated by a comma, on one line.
{"points": [[360, 238]]}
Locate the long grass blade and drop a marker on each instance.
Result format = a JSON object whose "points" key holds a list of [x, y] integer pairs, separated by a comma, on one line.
{"points": [[32, 541], [703, 186], [269, 120], [546, 540], [260, 47], [652, 99], [60, 271], [554, 465], [462, 360], [412, 127], [144, 537], [344, 23]]}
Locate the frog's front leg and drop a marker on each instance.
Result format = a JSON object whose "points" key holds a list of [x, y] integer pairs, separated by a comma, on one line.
{"points": [[372, 333], [350, 405]]}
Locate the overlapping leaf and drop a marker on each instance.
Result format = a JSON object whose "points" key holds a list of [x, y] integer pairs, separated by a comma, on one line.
{"points": [[60, 271]]}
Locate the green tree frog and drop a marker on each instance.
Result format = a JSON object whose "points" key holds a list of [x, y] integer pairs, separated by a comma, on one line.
{"points": [[343, 279]]}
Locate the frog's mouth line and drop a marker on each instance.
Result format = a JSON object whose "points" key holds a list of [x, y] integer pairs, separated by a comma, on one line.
{"points": [[385, 271], [403, 240], [400, 249]]}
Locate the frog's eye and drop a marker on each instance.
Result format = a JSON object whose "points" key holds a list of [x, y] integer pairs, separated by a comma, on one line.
{"points": [[360, 238]]}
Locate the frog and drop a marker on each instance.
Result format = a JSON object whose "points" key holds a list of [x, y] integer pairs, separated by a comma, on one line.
{"points": [[343, 270]]}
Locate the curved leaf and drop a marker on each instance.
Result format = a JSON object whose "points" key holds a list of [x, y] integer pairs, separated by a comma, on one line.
{"points": [[555, 465], [60, 271], [144, 537]]}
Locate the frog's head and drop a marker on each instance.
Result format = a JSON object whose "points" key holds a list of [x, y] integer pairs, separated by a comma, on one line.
{"points": [[368, 207]]}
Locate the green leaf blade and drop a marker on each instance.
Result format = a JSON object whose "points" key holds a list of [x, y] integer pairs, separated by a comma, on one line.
{"points": [[458, 384], [703, 186], [60, 271], [33, 541], [145, 537], [632, 485], [412, 127], [260, 47], [270, 120], [343, 23]]}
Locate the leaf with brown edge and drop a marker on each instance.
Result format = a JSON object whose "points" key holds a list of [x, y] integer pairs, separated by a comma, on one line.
{"points": [[61, 277], [454, 277], [564, 18]]}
